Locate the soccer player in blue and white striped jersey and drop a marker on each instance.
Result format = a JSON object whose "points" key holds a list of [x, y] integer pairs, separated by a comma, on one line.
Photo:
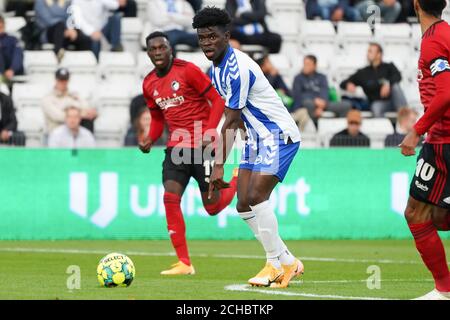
{"points": [[273, 140]]}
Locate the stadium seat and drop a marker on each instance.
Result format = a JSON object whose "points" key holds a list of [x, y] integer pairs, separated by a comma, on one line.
{"points": [[14, 24], [40, 64], [131, 34], [112, 95], [31, 121], [144, 65], [285, 22], [216, 3], [398, 55], [28, 95], [117, 66], [354, 38], [393, 32], [80, 62], [142, 8], [396, 41], [318, 38], [198, 58], [147, 29], [83, 85], [416, 35], [313, 31], [111, 127], [377, 130], [328, 127], [343, 66]]}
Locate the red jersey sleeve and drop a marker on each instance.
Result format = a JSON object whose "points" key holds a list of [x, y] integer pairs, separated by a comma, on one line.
{"points": [[148, 97], [436, 58], [197, 79]]}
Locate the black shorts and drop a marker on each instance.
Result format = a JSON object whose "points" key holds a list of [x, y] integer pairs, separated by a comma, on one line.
{"points": [[180, 164], [431, 182]]}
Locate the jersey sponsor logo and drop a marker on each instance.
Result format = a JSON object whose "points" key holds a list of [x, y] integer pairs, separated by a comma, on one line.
{"points": [[439, 65], [166, 103], [421, 186], [175, 85]]}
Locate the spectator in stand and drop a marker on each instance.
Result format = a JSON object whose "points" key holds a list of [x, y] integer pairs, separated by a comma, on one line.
{"points": [[196, 4], [71, 134], [334, 10], [311, 92], [389, 9], [128, 8], [20, 7], [406, 119], [51, 17], [137, 104], [139, 120], [140, 128], [352, 136], [380, 82], [249, 25], [54, 104], [8, 123], [174, 17], [94, 18], [11, 54], [275, 79]]}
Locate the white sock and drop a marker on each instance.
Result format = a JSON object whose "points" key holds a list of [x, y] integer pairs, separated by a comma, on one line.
{"points": [[249, 218], [268, 232], [286, 257]]}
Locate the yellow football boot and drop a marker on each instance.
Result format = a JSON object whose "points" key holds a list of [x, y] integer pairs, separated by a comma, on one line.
{"points": [[290, 272], [266, 276], [179, 268]]}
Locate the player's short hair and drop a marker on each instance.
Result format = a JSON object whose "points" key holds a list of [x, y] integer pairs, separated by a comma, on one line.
{"points": [[312, 57], [433, 7], [211, 17], [376, 44], [2, 19], [156, 34]]}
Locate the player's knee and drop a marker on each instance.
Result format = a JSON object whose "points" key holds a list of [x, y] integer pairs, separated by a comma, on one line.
{"points": [[255, 198], [410, 214], [242, 206]]}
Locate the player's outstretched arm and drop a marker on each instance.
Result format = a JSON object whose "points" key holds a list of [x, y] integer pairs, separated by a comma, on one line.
{"points": [[226, 141], [155, 132]]}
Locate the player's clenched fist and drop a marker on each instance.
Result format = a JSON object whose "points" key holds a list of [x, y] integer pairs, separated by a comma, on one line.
{"points": [[410, 143], [216, 181], [145, 145]]}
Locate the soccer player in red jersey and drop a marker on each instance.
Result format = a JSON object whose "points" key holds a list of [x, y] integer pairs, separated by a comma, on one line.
{"points": [[179, 94], [428, 208]]}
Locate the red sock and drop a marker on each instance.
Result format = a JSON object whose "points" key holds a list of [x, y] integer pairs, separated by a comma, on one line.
{"points": [[431, 249], [176, 226], [226, 196]]}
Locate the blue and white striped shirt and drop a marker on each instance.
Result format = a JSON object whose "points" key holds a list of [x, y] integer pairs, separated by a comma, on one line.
{"points": [[241, 82]]}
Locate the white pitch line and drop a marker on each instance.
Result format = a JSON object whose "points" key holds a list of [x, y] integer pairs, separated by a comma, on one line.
{"points": [[203, 255], [355, 281], [247, 288]]}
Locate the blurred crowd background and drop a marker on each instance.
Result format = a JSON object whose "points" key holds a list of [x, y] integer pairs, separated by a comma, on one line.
{"points": [[72, 71]]}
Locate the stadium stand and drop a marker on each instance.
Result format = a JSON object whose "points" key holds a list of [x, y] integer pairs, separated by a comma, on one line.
{"points": [[340, 49]]}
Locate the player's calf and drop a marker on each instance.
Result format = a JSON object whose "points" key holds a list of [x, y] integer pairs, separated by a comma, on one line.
{"points": [[441, 219]]}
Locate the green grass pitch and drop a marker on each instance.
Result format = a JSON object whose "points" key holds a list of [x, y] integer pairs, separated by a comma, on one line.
{"points": [[333, 270]]}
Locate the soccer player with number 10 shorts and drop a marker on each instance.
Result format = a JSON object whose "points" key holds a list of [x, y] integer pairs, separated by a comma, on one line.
{"points": [[428, 208], [180, 94]]}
